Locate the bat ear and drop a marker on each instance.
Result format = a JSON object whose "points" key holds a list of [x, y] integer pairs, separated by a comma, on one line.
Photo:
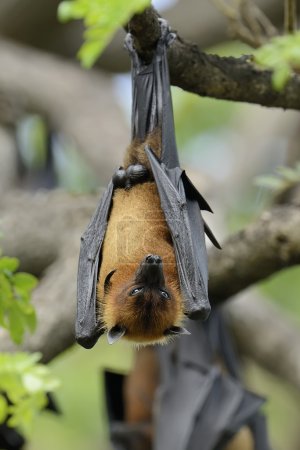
{"points": [[107, 283], [115, 333], [177, 330]]}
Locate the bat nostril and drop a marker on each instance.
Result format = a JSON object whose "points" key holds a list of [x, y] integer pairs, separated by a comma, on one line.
{"points": [[153, 259]]}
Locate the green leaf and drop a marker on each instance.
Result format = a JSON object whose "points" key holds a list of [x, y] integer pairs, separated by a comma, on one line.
{"points": [[3, 409], [9, 264], [16, 324], [6, 293], [101, 19], [25, 382], [281, 76], [25, 281], [282, 56], [89, 52]]}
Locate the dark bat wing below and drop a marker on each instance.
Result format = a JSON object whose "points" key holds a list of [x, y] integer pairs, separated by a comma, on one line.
{"points": [[87, 328]]}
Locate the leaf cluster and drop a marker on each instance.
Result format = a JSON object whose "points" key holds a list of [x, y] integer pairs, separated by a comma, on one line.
{"points": [[16, 311], [101, 19], [24, 383], [281, 55], [23, 387]]}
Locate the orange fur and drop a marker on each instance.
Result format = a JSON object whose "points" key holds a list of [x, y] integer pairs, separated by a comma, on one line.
{"points": [[242, 440]]}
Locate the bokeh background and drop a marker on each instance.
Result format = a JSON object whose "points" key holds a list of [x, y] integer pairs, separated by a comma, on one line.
{"points": [[65, 128]]}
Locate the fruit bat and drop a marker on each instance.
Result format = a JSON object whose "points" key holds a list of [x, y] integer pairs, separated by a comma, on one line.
{"points": [[143, 262]]}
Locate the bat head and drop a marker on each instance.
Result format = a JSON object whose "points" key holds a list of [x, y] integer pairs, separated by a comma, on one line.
{"points": [[144, 306]]}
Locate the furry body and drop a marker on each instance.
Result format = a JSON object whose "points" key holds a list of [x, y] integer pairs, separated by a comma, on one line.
{"points": [[137, 228]]}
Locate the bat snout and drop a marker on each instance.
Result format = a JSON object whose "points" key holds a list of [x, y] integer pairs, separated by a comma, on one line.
{"points": [[153, 259], [150, 271]]}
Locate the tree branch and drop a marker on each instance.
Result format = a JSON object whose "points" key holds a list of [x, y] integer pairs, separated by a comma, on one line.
{"points": [[290, 16], [247, 22], [224, 78], [268, 245]]}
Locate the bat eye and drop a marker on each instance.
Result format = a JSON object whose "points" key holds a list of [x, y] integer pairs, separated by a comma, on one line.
{"points": [[164, 294], [136, 291]]}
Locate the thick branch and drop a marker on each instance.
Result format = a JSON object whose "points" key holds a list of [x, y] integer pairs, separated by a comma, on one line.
{"points": [[261, 249], [224, 78]]}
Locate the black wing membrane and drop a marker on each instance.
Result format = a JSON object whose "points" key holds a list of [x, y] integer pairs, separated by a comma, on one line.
{"points": [[203, 406], [198, 405], [180, 201], [87, 328]]}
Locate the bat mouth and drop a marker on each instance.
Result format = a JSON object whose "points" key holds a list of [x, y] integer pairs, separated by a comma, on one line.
{"points": [[150, 272]]}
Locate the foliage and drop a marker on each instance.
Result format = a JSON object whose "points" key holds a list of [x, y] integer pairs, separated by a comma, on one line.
{"points": [[284, 178], [16, 312], [282, 56], [101, 19], [23, 383]]}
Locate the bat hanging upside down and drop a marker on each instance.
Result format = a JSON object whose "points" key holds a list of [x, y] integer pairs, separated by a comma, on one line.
{"points": [[138, 290], [143, 261]]}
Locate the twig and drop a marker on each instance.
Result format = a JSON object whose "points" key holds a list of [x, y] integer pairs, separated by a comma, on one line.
{"points": [[247, 22], [290, 16]]}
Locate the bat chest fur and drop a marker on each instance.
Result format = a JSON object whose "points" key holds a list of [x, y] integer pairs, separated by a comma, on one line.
{"points": [[136, 227]]}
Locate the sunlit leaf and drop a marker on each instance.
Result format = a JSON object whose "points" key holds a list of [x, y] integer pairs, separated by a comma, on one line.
{"points": [[101, 18], [282, 56], [281, 76], [25, 281], [9, 264], [16, 324], [3, 409]]}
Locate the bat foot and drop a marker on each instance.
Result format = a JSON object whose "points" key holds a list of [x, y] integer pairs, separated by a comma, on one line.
{"points": [[134, 174]]}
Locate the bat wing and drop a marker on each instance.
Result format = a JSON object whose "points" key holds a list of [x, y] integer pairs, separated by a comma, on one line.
{"points": [[202, 405], [186, 226], [87, 327]]}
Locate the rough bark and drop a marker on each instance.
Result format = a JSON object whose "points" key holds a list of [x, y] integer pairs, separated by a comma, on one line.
{"points": [[256, 252]]}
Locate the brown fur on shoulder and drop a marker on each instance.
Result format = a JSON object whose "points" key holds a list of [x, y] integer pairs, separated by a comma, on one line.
{"points": [[135, 153]]}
